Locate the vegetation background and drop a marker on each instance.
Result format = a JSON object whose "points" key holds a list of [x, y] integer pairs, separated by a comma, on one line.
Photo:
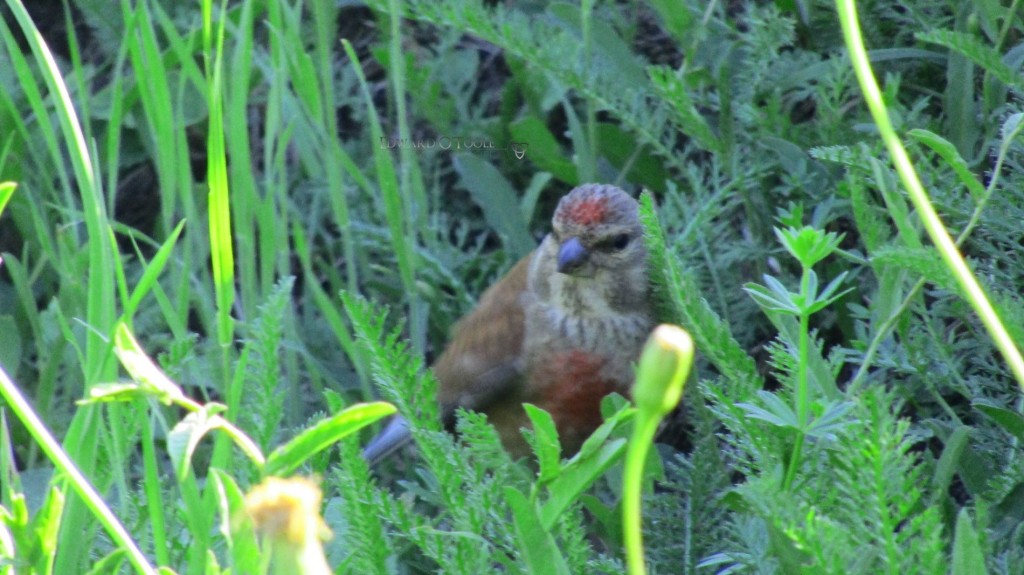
{"points": [[234, 173]]}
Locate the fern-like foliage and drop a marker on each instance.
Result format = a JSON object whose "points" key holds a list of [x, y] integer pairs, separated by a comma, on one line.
{"points": [[263, 342], [678, 300]]}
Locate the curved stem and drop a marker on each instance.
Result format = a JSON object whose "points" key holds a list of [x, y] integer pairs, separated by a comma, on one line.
{"points": [[20, 406], [644, 429], [933, 224], [890, 322]]}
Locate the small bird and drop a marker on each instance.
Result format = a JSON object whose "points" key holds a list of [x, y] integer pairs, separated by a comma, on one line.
{"points": [[561, 330]]}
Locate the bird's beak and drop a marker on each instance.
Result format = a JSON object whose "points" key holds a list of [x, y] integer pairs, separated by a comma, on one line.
{"points": [[571, 255]]}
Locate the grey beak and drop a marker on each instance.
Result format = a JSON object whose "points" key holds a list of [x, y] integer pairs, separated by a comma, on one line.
{"points": [[571, 256]]}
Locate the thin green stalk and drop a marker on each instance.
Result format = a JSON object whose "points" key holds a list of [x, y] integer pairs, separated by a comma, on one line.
{"points": [[660, 378], [802, 400], [886, 327], [644, 429], [413, 198], [242, 176], [60, 459], [83, 433], [933, 224], [151, 486]]}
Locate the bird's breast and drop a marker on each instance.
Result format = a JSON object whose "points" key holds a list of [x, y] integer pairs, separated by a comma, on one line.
{"points": [[570, 386]]}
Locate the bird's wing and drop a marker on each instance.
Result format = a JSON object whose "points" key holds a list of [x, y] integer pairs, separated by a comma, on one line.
{"points": [[483, 361]]}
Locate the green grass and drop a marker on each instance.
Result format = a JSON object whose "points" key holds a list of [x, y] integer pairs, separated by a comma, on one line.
{"points": [[211, 270]]}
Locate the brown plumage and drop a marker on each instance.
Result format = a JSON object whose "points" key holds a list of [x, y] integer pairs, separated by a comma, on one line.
{"points": [[560, 330]]}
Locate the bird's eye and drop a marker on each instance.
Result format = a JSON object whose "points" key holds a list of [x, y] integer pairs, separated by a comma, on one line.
{"points": [[620, 242]]}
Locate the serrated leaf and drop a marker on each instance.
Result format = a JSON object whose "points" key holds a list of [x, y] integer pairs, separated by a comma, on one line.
{"points": [[671, 88], [545, 443], [1010, 127], [971, 47], [323, 434]]}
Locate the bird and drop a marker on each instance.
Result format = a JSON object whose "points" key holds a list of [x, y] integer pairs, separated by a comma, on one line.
{"points": [[561, 330]]}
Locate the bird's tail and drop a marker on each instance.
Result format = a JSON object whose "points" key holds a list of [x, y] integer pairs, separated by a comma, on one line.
{"points": [[394, 435]]}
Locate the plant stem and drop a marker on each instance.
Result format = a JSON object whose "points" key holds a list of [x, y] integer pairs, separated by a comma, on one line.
{"points": [[802, 402], [20, 406], [933, 224], [644, 429], [883, 331]]}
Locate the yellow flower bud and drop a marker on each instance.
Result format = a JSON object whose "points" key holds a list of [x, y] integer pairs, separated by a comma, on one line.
{"points": [[664, 365]]}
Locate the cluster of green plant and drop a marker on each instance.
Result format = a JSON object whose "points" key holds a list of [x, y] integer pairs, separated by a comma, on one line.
{"points": [[207, 179]]}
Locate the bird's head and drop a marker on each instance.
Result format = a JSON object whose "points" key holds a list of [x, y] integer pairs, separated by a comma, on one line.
{"points": [[596, 228]]}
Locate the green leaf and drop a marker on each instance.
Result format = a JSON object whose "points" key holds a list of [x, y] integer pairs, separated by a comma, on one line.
{"points": [[111, 392], [623, 151], [828, 296], [239, 535], [492, 192], [110, 564], [776, 411], [323, 434], [968, 558], [535, 542], [1008, 419], [807, 244], [970, 46], [671, 88], [46, 526], [609, 49], [532, 193], [791, 557], [896, 204], [832, 420], [678, 299], [186, 435], [6, 191], [675, 16], [770, 300], [949, 461], [576, 477], [545, 152], [545, 443], [143, 369], [948, 152], [153, 270], [622, 414]]}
